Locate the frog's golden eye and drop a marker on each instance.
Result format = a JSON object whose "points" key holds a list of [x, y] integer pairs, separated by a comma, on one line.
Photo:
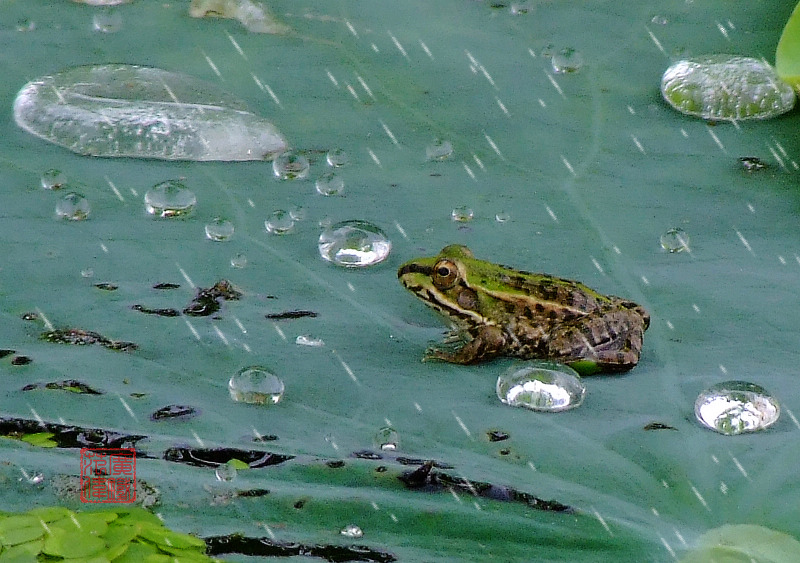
{"points": [[445, 274]]}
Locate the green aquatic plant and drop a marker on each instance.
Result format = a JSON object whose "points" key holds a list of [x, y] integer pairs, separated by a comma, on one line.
{"points": [[787, 55]]}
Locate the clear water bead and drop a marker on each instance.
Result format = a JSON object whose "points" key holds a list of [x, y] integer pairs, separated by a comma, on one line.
{"points": [[352, 531], [337, 158], [53, 179], [291, 166], [298, 213], [541, 386], [329, 184], [502, 217], [567, 61], [439, 149], [169, 199], [226, 472], [239, 261], [462, 214], [255, 385], [726, 87], [308, 340], [73, 206], [219, 229], [354, 244], [675, 240], [736, 407], [107, 21], [386, 439], [280, 222]]}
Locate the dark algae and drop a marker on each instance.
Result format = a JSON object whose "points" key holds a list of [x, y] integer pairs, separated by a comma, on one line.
{"points": [[80, 337], [207, 301]]}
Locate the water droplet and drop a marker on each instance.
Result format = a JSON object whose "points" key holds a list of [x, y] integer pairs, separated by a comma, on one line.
{"points": [[26, 25], [107, 21], [53, 179], [226, 472], [548, 50], [519, 8], [73, 206], [169, 199], [502, 217], [735, 407], [219, 229], [87, 273], [330, 184], [291, 166], [752, 163], [352, 531], [541, 386], [337, 158], [146, 113], [255, 385], [659, 20], [726, 87], [239, 261], [462, 214], [308, 340], [387, 439], [567, 61], [298, 213], [675, 240], [280, 222], [354, 244], [439, 149]]}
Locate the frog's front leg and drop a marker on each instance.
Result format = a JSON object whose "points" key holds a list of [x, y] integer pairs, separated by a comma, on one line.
{"points": [[487, 342], [609, 341]]}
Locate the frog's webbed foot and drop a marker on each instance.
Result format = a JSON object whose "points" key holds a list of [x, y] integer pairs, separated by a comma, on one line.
{"points": [[486, 343]]}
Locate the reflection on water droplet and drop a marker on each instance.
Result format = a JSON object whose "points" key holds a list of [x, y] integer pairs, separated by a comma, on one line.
{"points": [[675, 240], [308, 340], [330, 184], [239, 261], [226, 472], [387, 439], [107, 21], [291, 166], [462, 214], [567, 61], [279, 223], [735, 407], [219, 229], [169, 199], [255, 385], [53, 179], [73, 206], [298, 213], [439, 150], [502, 217], [726, 87], [541, 386], [352, 531], [354, 244], [337, 158]]}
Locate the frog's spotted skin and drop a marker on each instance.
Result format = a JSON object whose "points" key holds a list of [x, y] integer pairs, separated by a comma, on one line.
{"points": [[501, 311]]}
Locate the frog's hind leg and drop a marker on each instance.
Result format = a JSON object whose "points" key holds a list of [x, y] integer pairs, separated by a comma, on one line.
{"points": [[486, 342]]}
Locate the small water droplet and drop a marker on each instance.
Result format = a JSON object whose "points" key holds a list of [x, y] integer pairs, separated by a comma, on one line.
{"points": [[675, 240], [352, 531], [337, 158], [541, 386], [439, 149], [298, 213], [280, 222], [107, 21], [308, 340], [330, 184], [291, 166], [26, 25], [735, 407], [169, 199], [87, 273], [519, 8], [73, 206], [659, 20], [548, 50], [239, 261], [386, 439], [502, 217], [567, 61], [219, 229], [226, 472], [462, 214], [53, 179], [354, 244], [255, 385]]}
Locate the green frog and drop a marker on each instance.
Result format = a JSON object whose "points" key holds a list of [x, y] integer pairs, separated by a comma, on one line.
{"points": [[500, 311]]}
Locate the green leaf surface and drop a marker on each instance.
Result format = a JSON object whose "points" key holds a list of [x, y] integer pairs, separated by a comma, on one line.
{"points": [[787, 55]]}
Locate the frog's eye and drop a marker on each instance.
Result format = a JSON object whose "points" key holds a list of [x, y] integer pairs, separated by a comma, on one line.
{"points": [[445, 274]]}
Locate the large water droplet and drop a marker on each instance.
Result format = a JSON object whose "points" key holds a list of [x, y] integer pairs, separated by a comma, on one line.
{"points": [[541, 386], [726, 87], [169, 199], [387, 439], [280, 222], [675, 240], [439, 149], [255, 385], [219, 229], [291, 166], [567, 61], [121, 110], [329, 184], [337, 158], [53, 179], [354, 244], [73, 206], [735, 407]]}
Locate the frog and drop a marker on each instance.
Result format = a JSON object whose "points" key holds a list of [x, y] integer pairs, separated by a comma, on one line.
{"points": [[499, 311]]}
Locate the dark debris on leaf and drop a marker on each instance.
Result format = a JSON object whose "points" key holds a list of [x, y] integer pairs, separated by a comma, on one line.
{"points": [[658, 426], [497, 435], [80, 337], [367, 454], [252, 493], [335, 464], [158, 312], [265, 547], [30, 316], [166, 286], [207, 301], [107, 286], [67, 436], [174, 411], [265, 438], [6, 352], [214, 457], [286, 315], [752, 163], [21, 360], [72, 385]]}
